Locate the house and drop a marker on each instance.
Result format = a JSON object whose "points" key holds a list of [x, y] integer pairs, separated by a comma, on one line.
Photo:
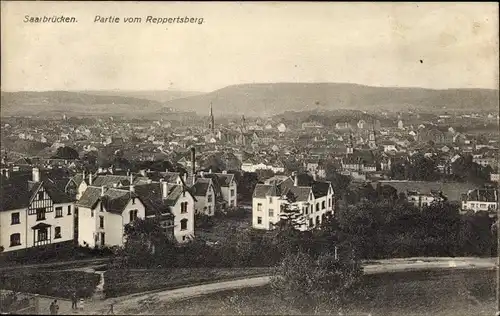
{"points": [[226, 183], [103, 213], [313, 199], [477, 200], [421, 200], [34, 212], [173, 203], [204, 192]]}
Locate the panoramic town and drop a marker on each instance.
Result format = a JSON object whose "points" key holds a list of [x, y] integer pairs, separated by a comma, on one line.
{"points": [[261, 198]]}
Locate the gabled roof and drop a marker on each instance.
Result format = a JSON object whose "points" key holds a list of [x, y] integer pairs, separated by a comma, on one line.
{"points": [[18, 191], [90, 197], [279, 187], [109, 180], [201, 186]]}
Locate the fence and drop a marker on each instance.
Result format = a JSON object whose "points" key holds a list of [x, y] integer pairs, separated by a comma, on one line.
{"points": [[19, 303]]}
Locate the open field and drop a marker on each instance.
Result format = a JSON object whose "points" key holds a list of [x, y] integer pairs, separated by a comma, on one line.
{"points": [[440, 293]]}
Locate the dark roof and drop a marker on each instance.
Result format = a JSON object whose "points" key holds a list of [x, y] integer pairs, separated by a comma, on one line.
{"points": [[109, 180], [201, 186], [482, 195], [300, 192], [18, 191], [90, 197]]}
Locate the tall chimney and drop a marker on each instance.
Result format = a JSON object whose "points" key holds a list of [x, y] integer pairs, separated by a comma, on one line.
{"points": [[132, 188], [131, 179], [102, 191], [164, 189], [193, 161], [90, 178], [35, 173]]}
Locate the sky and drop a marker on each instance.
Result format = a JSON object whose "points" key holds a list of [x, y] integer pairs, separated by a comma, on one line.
{"points": [[431, 45]]}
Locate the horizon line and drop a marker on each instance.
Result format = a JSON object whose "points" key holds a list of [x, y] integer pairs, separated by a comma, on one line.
{"points": [[83, 90]]}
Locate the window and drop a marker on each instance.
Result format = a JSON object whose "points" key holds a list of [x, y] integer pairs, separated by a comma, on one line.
{"points": [[183, 238], [40, 195], [323, 205], [317, 207], [311, 224], [270, 199], [69, 209], [133, 215], [329, 202], [184, 224], [259, 220], [15, 240], [232, 192], [101, 208], [40, 214], [42, 234], [59, 212], [57, 232], [259, 207], [184, 206], [209, 198], [271, 212], [305, 210], [101, 221], [209, 210], [482, 205], [133, 201], [91, 213], [14, 218]]}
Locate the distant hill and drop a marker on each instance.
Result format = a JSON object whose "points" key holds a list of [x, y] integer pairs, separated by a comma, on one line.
{"points": [[273, 98], [153, 95], [48, 103]]}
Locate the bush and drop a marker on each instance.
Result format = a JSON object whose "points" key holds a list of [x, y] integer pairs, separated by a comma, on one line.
{"points": [[313, 286]]}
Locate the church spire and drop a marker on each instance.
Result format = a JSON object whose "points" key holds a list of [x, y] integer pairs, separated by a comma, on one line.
{"points": [[211, 124]]}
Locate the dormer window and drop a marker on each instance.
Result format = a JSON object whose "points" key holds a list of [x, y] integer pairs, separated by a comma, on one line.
{"points": [[133, 200]]}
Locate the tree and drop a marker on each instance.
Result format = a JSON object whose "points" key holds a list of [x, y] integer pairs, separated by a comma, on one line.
{"points": [[315, 285], [66, 153], [287, 228], [146, 244]]}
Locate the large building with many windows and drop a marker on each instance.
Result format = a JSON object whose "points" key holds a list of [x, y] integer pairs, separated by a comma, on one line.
{"points": [[313, 199], [34, 212]]}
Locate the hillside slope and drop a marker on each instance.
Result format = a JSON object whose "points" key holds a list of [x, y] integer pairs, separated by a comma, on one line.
{"points": [[274, 98], [75, 103]]}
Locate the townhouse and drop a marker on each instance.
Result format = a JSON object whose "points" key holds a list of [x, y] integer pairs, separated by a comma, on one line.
{"points": [[314, 200], [34, 212]]}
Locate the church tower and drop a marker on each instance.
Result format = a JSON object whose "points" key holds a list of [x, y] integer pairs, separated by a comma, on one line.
{"points": [[211, 124], [350, 146], [372, 141]]}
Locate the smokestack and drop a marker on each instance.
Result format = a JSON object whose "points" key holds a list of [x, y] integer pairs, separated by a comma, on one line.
{"points": [[193, 161], [164, 189], [35, 175]]}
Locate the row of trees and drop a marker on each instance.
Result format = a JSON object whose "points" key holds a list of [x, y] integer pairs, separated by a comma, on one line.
{"points": [[422, 168]]}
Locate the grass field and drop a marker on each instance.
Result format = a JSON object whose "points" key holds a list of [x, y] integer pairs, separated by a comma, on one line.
{"points": [[439, 293], [123, 282], [217, 232]]}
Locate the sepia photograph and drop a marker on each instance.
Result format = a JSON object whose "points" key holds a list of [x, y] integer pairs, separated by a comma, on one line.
{"points": [[249, 158]]}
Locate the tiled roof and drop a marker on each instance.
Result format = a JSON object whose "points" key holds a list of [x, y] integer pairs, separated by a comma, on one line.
{"points": [[109, 180], [301, 191], [18, 191], [90, 197], [201, 186]]}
